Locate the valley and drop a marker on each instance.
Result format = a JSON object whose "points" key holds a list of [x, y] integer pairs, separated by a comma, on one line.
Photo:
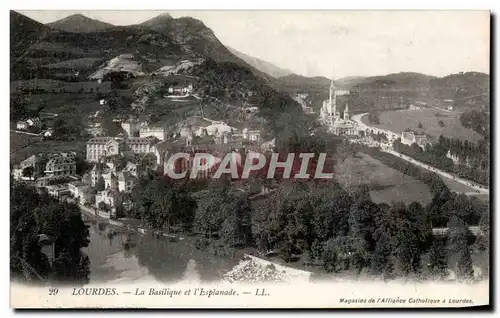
{"points": [[97, 111]]}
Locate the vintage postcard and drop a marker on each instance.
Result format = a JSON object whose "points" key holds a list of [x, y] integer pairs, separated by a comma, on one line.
{"points": [[249, 159]]}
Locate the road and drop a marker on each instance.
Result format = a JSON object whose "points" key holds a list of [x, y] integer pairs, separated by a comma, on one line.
{"points": [[478, 188], [25, 132]]}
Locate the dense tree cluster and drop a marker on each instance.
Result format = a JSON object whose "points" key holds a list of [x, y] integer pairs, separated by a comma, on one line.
{"points": [[321, 223], [473, 158], [35, 217], [476, 120], [351, 233]]}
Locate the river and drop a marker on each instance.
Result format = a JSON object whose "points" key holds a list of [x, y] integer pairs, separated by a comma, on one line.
{"points": [[119, 255]]}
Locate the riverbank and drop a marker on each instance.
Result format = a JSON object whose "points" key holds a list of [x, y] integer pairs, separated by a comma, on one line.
{"points": [[249, 266]]}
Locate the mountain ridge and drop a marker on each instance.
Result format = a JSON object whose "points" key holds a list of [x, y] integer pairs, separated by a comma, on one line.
{"points": [[78, 23], [261, 65]]}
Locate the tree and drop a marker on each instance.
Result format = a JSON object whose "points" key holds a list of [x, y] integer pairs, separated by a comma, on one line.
{"points": [[441, 123], [28, 172], [459, 242], [33, 214], [382, 263], [237, 228], [408, 250], [438, 260], [420, 126]]}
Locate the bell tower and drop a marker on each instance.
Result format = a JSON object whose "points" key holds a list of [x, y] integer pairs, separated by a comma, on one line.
{"points": [[346, 112]]}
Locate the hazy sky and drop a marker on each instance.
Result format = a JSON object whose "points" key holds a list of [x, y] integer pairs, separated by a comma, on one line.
{"points": [[339, 43]]}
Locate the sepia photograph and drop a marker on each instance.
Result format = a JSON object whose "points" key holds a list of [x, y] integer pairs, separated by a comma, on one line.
{"points": [[250, 159]]}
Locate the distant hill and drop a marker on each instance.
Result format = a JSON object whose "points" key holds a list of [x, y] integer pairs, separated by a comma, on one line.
{"points": [[397, 81], [78, 23], [298, 83], [349, 81], [261, 65]]}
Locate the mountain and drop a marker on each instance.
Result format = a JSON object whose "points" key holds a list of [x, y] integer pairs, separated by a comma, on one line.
{"points": [[395, 82], [348, 82], [23, 33], [261, 65], [298, 82], [195, 37], [78, 23], [451, 86], [40, 52]]}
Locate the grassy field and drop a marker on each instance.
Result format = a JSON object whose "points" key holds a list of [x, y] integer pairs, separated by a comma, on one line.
{"points": [[60, 86], [398, 121], [76, 64], [22, 146], [386, 184]]}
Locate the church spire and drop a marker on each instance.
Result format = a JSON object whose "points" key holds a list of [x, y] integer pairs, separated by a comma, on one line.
{"points": [[332, 101], [346, 111]]}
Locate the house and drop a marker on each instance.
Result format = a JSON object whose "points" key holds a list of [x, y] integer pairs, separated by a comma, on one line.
{"points": [[409, 138], [181, 89], [48, 133], [252, 135], [22, 125], [96, 131], [268, 145], [58, 190], [341, 92], [101, 147], [81, 191], [454, 157], [126, 181], [131, 127], [158, 131], [215, 128], [34, 122], [61, 164], [36, 162], [112, 198]]}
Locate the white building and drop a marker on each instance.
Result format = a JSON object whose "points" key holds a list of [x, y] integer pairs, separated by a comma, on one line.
{"points": [[215, 128], [22, 125], [81, 191], [158, 131], [342, 92], [181, 89], [131, 127], [252, 135], [409, 138], [101, 147]]}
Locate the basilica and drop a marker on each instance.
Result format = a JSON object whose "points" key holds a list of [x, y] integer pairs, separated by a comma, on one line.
{"points": [[330, 116]]}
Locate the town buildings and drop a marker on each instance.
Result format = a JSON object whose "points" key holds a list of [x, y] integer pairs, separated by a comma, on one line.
{"points": [[46, 165]]}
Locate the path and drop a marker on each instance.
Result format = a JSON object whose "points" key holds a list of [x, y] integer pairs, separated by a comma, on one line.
{"points": [[478, 188], [25, 132]]}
